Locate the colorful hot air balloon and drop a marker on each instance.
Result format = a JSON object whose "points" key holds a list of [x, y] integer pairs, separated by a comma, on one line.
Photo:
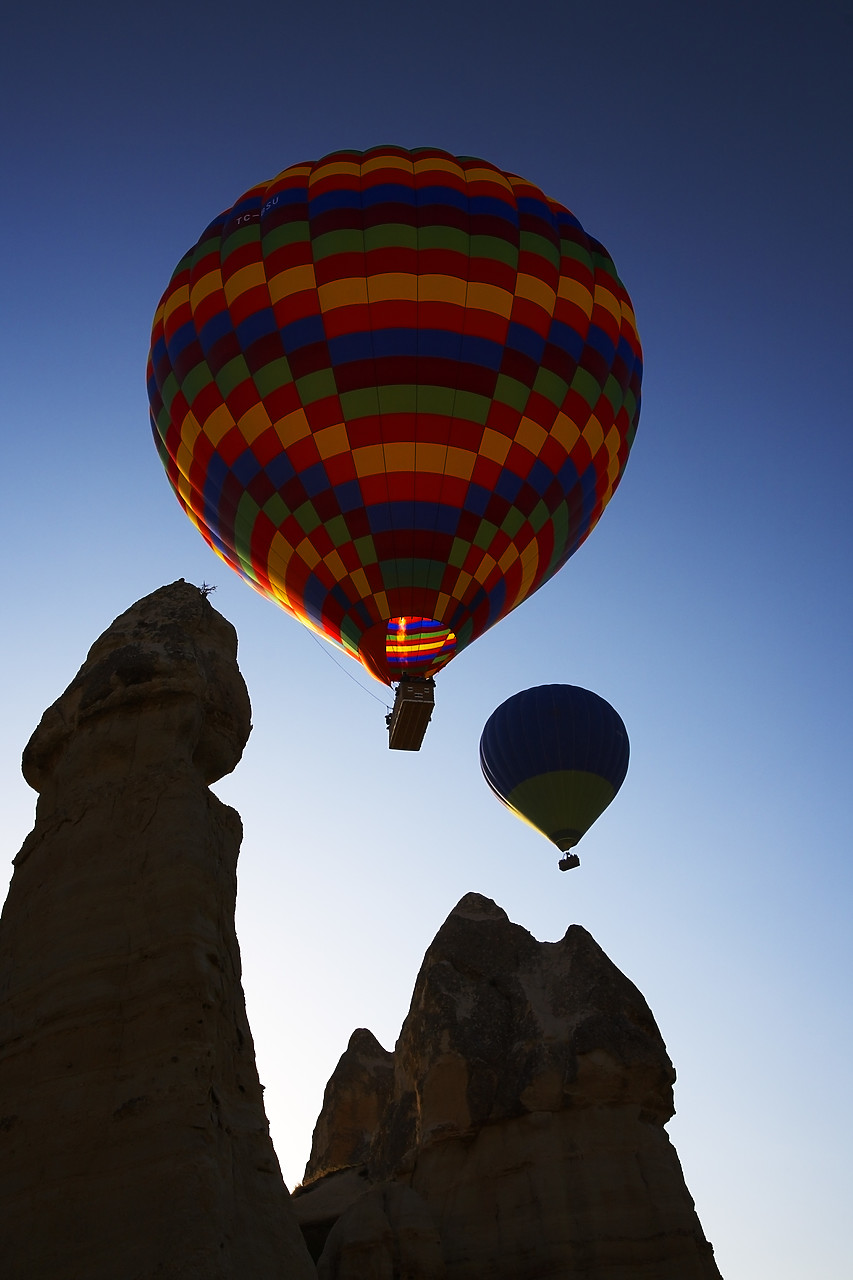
{"points": [[556, 756], [394, 390]]}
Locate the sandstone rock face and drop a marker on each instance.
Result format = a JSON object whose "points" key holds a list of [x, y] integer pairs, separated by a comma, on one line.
{"points": [[133, 1139], [391, 1234], [531, 1087], [356, 1099]]}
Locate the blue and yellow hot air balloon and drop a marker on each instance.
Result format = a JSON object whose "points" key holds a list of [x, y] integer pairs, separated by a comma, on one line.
{"points": [[556, 756]]}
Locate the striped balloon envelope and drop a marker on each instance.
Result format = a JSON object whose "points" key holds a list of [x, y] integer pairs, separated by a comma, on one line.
{"points": [[395, 390], [556, 756]]}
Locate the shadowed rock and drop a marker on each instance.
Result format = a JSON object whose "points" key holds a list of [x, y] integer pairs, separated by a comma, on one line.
{"points": [[133, 1139], [531, 1087], [356, 1099], [389, 1234]]}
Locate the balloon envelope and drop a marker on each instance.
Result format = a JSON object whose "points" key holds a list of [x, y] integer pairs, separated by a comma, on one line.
{"points": [[556, 756], [395, 390]]}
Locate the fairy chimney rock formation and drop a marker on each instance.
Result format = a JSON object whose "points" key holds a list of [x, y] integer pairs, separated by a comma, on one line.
{"points": [[356, 1098], [133, 1139], [523, 1135]]}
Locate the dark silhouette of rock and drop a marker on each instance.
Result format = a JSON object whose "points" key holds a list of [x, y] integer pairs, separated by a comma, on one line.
{"points": [[531, 1089], [356, 1099], [133, 1139], [388, 1233]]}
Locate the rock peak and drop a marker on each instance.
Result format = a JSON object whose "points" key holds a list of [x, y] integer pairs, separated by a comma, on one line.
{"points": [[519, 1124], [170, 659], [475, 906]]}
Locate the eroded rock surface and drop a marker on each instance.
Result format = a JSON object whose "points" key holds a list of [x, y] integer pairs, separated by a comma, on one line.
{"points": [[357, 1096], [531, 1089], [133, 1139]]}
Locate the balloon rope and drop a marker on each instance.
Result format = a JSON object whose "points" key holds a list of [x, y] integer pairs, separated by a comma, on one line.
{"points": [[348, 674]]}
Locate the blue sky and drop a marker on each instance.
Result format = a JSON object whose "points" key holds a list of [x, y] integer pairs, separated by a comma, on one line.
{"points": [[708, 148]]}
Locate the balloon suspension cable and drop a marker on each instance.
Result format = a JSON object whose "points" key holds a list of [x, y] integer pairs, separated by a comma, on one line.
{"points": [[348, 674]]}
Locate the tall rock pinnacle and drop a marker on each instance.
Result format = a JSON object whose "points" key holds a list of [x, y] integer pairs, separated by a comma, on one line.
{"points": [[518, 1128], [133, 1139]]}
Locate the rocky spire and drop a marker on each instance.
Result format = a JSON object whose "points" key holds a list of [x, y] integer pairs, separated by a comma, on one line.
{"points": [[525, 1125], [133, 1139]]}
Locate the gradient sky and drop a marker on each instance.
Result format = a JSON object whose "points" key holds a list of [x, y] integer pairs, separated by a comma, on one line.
{"points": [[708, 147]]}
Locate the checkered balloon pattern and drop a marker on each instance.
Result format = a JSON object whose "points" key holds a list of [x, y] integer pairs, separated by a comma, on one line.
{"points": [[394, 390]]}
